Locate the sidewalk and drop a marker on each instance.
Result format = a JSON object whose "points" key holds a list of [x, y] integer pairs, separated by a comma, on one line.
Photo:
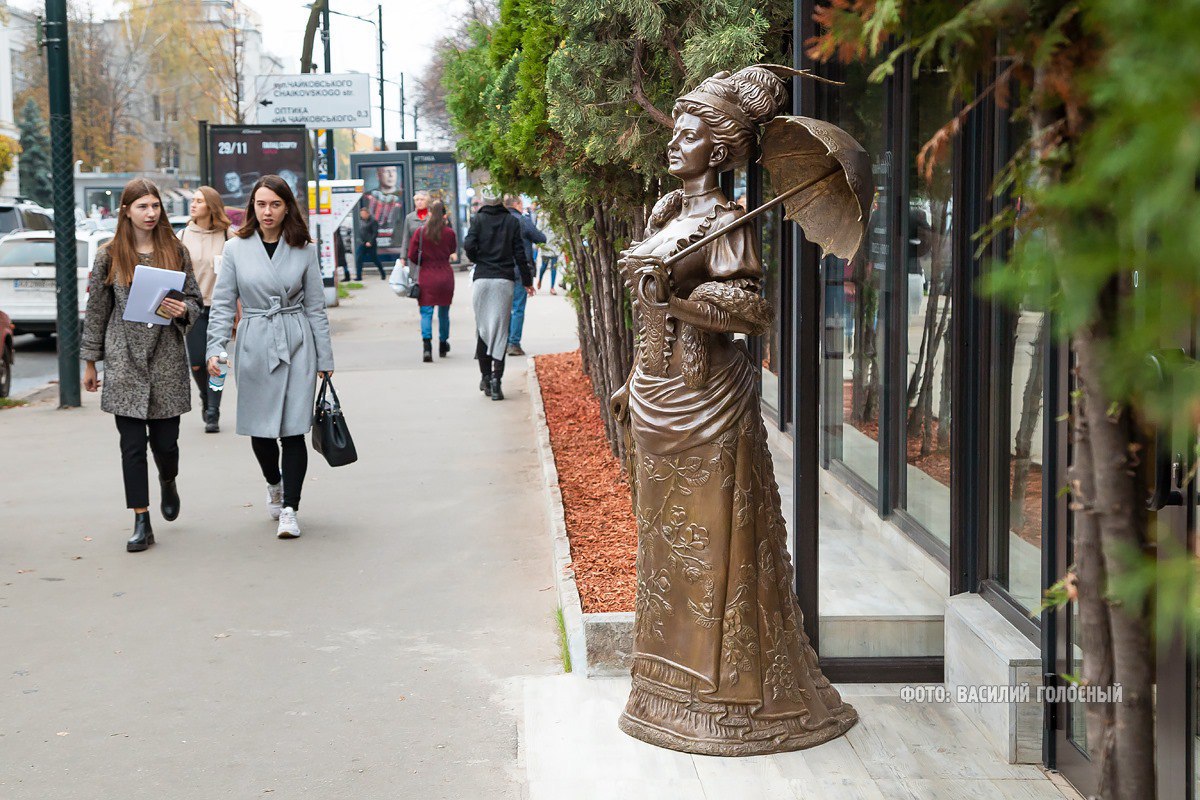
{"points": [[379, 656]]}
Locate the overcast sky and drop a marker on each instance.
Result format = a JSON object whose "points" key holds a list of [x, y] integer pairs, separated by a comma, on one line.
{"points": [[410, 29]]}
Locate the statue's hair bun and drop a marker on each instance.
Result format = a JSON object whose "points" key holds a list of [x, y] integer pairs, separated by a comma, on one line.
{"points": [[761, 94]]}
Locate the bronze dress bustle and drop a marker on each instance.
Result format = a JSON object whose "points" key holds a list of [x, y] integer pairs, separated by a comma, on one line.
{"points": [[722, 665]]}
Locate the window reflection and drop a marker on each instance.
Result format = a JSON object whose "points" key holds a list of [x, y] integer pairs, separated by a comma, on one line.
{"points": [[928, 265], [854, 313]]}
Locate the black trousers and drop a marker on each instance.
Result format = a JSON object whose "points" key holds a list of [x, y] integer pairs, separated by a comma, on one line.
{"points": [[197, 344], [291, 470], [488, 367], [163, 437]]}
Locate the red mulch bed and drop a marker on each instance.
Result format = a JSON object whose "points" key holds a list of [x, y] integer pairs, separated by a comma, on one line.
{"points": [[599, 512]]}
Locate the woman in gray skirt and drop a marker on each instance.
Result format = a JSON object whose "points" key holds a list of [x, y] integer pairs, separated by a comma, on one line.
{"points": [[494, 244], [283, 342]]}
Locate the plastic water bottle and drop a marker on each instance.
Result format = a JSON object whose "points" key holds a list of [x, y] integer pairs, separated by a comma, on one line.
{"points": [[217, 382]]}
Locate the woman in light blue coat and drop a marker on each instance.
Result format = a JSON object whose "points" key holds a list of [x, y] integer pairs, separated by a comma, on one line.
{"points": [[283, 342]]}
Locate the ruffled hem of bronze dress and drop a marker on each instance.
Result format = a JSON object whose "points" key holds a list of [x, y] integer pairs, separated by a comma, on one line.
{"points": [[785, 741]]}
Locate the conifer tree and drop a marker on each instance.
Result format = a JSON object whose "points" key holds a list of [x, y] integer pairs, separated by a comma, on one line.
{"points": [[35, 173], [571, 102]]}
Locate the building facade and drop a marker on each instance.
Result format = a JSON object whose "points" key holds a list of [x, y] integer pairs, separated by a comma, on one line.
{"points": [[919, 432]]}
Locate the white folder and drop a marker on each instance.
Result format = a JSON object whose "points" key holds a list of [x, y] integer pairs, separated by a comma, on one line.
{"points": [[150, 285]]}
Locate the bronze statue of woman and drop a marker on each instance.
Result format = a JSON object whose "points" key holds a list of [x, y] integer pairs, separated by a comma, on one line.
{"points": [[722, 665]]}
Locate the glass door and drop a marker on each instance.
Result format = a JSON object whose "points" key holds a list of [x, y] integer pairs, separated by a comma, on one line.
{"points": [[1172, 503]]}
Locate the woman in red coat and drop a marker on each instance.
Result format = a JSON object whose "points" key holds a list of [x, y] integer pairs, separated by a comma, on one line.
{"points": [[431, 248]]}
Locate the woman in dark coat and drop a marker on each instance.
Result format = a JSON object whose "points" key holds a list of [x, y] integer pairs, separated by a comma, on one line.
{"points": [[431, 248], [146, 379]]}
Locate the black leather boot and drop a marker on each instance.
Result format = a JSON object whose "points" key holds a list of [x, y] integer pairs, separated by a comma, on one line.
{"points": [[143, 534], [485, 380], [443, 349], [427, 350], [497, 374], [212, 421], [170, 500]]}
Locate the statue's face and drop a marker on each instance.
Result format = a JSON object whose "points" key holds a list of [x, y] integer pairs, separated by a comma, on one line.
{"points": [[692, 150]]}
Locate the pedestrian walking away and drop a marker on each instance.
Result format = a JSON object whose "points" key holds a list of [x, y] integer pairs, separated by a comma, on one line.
{"points": [[368, 244], [204, 238], [283, 341], [431, 249], [548, 252], [145, 384], [530, 235], [404, 229], [494, 243], [339, 254]]}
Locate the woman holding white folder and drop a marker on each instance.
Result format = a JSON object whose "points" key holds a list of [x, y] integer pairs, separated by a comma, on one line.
{"points": [[283, 342], [146, 379]]}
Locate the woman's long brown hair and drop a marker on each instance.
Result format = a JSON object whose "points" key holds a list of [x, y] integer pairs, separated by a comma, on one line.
{"points": [[122, 250], [216, 208], [435, 223], [295, 229]]}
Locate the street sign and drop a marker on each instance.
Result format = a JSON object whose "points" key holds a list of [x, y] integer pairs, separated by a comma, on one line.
{"points": [[315, 100]]}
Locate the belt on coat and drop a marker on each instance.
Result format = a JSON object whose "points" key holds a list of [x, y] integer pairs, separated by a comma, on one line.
{"points": [[274, 316]]}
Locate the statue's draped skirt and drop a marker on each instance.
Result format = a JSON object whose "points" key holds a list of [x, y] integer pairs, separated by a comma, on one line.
{"points": [[722, 665]]}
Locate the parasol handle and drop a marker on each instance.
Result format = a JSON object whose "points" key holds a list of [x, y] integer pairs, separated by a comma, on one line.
{"points": [[748, 217]]}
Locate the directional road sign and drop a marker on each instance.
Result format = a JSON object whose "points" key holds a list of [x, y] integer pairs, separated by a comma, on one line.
{"points": [[315, 100]]}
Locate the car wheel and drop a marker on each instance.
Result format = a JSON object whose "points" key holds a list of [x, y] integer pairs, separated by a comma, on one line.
{"points": [[6, 361]]}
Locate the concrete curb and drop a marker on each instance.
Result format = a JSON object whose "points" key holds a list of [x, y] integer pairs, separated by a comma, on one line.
{"points": [[556, 523], [600, 644]]}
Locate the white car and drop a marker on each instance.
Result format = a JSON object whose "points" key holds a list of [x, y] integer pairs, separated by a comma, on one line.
{"points": [[27, 277]]}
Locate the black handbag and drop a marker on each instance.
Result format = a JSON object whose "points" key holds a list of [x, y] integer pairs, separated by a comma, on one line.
{"points": [[415, 291], [330, 435]]}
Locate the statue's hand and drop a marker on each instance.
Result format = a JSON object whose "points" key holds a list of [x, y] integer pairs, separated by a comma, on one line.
{"points": [[619, 404], [653, 281]]}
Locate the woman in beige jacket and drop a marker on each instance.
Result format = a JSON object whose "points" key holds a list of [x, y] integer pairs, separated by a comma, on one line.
{"points": [[205, 237]]}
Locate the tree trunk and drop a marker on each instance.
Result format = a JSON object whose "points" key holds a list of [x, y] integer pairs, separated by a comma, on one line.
{"points": [[1124, 731]]}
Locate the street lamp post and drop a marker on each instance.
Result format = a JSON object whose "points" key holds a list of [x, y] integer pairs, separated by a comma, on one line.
{"points": [[379, 37], [62, 161], [382, 116], [330, 158]]}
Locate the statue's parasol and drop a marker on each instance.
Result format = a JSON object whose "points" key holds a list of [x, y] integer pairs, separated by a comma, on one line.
{"points": [[823, 178]]}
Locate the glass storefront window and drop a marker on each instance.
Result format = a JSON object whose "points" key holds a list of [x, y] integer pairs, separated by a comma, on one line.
{"points": [[854, 290], [1022, 353], [772, 254], [927, 308]]}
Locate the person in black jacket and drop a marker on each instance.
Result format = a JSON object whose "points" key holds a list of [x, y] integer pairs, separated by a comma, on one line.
{"points": [[494, 243], [368, 244]]}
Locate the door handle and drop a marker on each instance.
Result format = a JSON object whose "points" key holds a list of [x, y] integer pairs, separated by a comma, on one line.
{"points": [[1168, 464]]}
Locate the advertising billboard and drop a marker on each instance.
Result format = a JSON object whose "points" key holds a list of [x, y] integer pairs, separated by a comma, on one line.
{"points": [[385, 177], [338, 199], [239, 155]]}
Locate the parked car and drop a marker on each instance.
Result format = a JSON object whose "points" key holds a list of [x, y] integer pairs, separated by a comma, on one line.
{"points": [[22, 215], [27, 277], [6, 354], [178, 223]]}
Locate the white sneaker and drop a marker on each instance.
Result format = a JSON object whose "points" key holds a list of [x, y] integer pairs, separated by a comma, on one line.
{"points": [[274, 499], [289, 528]]}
